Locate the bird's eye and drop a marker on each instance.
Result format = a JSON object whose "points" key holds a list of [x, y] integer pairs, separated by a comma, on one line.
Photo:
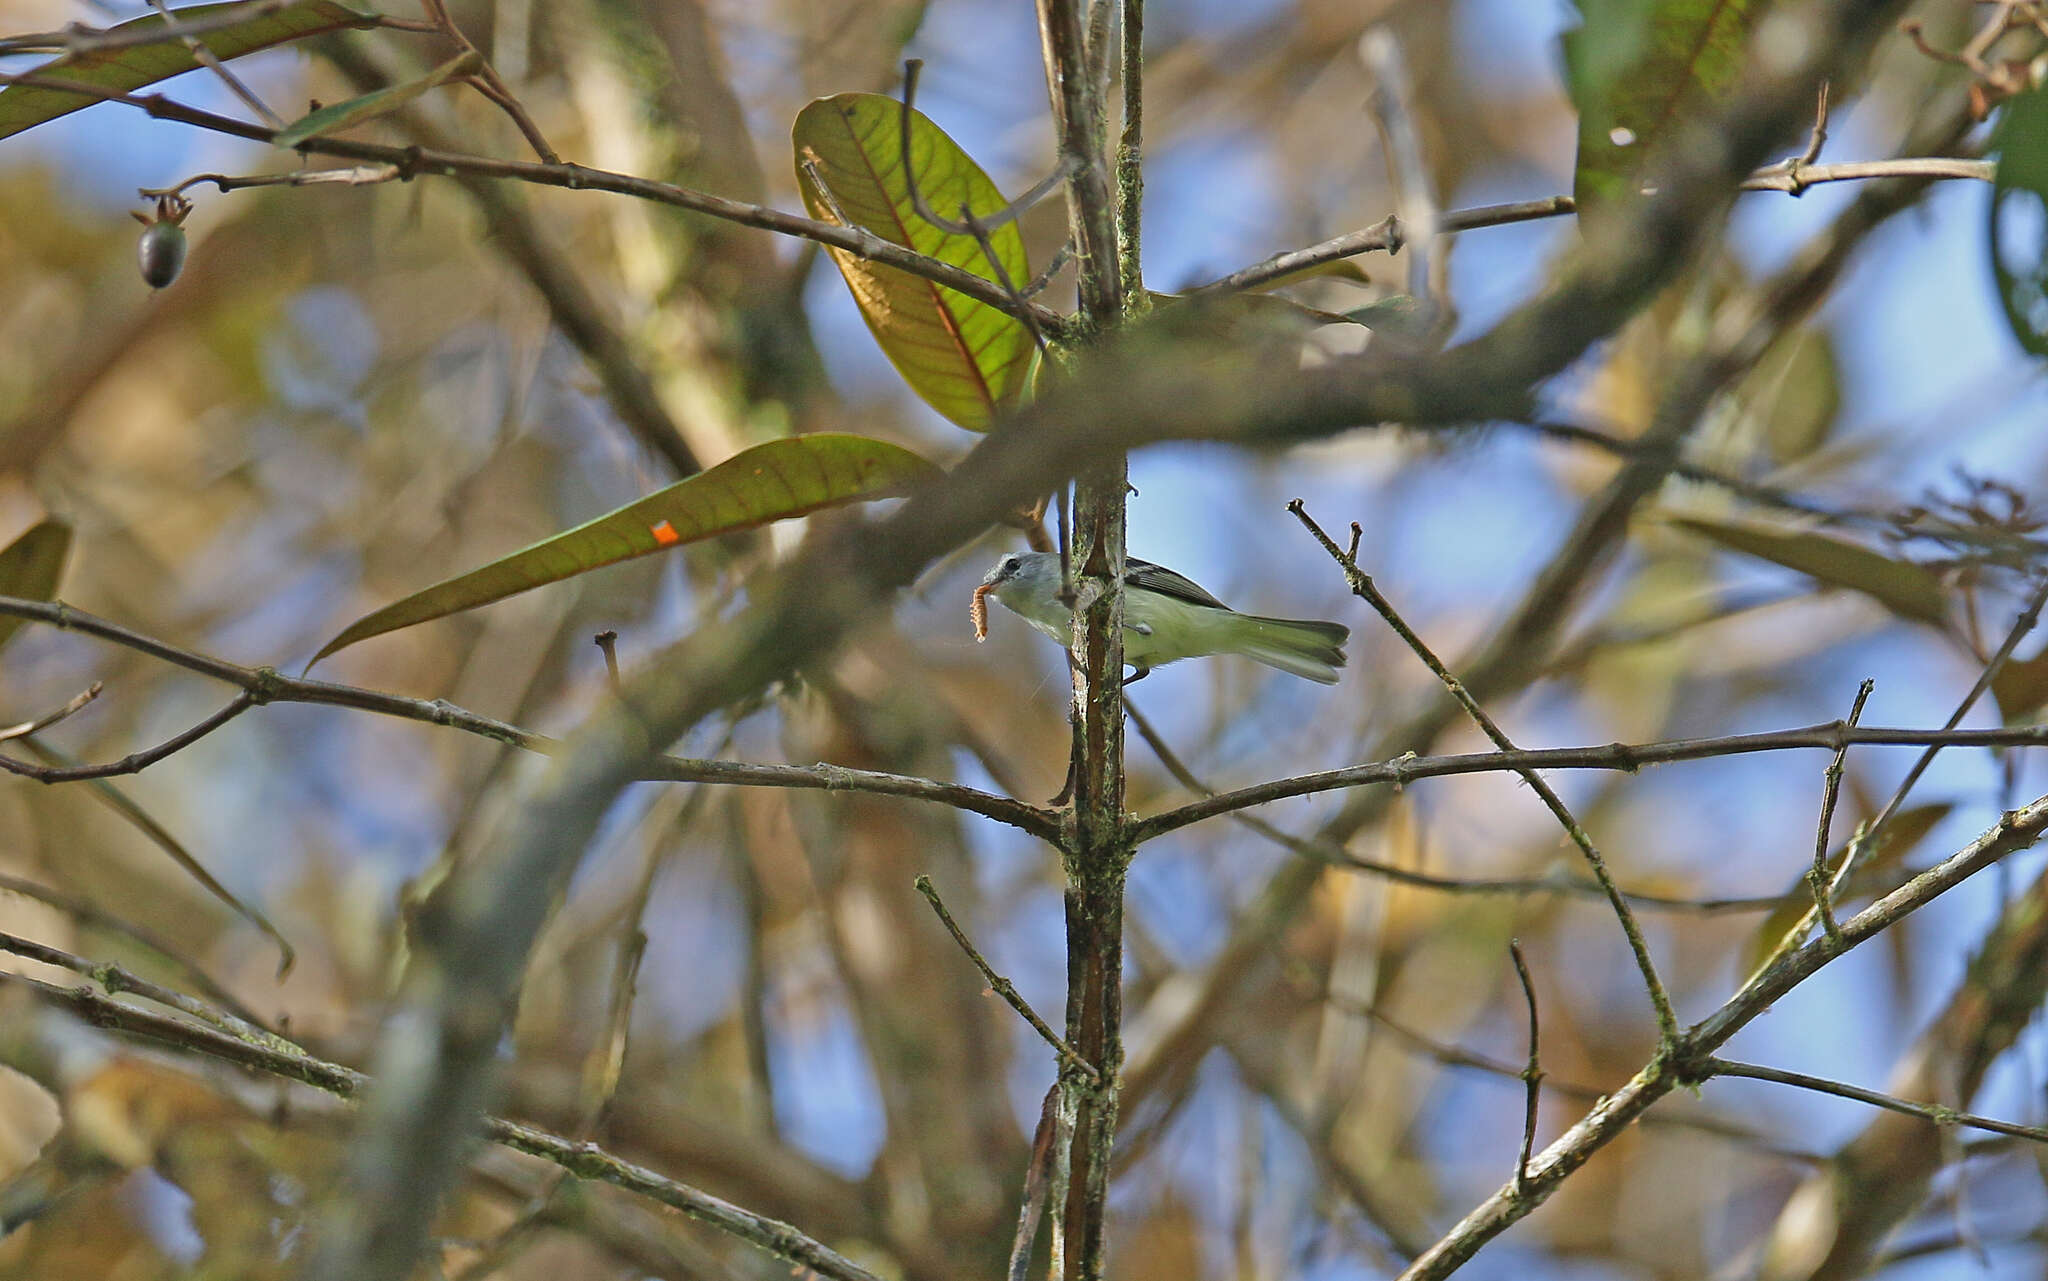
{"points": [[1009, 565]]}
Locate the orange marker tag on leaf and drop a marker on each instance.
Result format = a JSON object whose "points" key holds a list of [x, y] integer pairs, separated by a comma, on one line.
{"points": [[665, 534]]}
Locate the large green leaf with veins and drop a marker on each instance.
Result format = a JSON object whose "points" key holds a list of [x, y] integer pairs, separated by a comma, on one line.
{"points": [[769, 482], [965, 358]]}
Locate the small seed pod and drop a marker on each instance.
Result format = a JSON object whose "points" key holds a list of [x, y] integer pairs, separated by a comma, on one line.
{"points": [[162, 252]]}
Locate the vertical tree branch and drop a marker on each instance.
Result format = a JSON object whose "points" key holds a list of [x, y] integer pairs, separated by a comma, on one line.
{"points": [[1130, 154], [1099, 851]]}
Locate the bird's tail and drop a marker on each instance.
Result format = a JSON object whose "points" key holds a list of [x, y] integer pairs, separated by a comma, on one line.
{"points": [[1302, 647]]}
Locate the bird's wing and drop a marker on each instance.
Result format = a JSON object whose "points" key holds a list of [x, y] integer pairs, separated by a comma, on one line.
{"points": [[1158, 578]]}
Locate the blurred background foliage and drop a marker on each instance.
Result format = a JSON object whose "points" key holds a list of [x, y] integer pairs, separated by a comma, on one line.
{"points": [[354, 392]]}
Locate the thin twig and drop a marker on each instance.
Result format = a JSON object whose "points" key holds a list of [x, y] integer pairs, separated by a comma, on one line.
{"points": [[1817, 878], [1625, 757], [134, 762], [1362, 586], [1098, 852], [1793, 181], [487, 82], [970, 224], [1796, 167], [76, 704], [1060, 258], [584, 1160], [1384, 236], [1686, 1062], [1933, 1112], [987, 245], [268, 685], [1003, 987], [204, 57], [353, 176], [1454, 1056], [1763, 495], [416, 161], [1037, 1183], [807, 161], [1097, 46], [603, 1071], [608, 641], [91, 916], [1327, 851], [968, 221], [144, 822], [1388, 236], [1864, 841], [1532, 1073], [116, 980], [1819, 137]]}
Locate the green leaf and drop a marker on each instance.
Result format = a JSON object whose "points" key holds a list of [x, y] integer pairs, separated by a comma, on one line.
{"points": [[124, 70], [1635, 68], [966, 359], [31, 566], [2018, 240], [1908, 590], [346, 115], [1899, 838], [768, 482]]}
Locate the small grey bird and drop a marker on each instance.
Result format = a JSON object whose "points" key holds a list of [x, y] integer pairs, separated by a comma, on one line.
{"points": [[1166, 618]]}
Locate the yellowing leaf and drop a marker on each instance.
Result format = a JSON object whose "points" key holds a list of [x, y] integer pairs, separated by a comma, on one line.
{"points": [[126, 69], [769, 482], [1908, 590], [346, 115], [965, 358]]}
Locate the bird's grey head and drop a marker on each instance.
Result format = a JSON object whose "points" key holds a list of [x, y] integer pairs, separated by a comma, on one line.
{"points": [[1015, 567], [1022, 574]]}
